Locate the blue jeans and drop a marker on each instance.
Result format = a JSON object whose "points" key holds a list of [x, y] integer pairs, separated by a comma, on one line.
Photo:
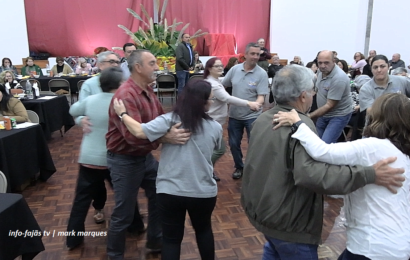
{"points": [[330, 128], [276, 249], [182, 77], [128, 173], [235, 132]]}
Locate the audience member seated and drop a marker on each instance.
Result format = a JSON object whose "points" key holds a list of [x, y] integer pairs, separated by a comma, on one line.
{"points": [[396, 62], [358, 64], [232, 62], [31, 69], [311, 65], [343, 65], [400, 71], [12, 107], [264, 55], [83, 67], [334, 54], [197, 63], [297, 60], [7, 65], [60, 68], [367, 70], [275, 63], [8, 80]]}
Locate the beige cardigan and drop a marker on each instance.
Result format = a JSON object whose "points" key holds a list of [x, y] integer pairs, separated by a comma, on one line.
{"points": [[16, 110], [66, 70]]}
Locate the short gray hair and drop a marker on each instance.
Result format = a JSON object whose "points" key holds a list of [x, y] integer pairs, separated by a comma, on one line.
{"points": [[290, 82], [250, 45], [103, 56], [135, 57], [360, 80], [399, 70]]}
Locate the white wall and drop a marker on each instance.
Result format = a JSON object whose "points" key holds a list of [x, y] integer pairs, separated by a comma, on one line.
{"points": [[303, 28], [389, 33], [14, 40]]}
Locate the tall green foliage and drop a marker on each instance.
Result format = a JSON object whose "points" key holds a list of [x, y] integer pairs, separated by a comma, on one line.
{"points": [[161, 39]]}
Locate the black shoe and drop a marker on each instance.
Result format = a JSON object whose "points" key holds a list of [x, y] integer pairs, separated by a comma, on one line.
{"points": [[75, 244], [216, 178], [137, 232], [154, 247], [237, 174]]}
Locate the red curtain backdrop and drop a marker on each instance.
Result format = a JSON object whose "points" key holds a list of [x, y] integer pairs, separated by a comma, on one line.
{"points": [[77, 27]]}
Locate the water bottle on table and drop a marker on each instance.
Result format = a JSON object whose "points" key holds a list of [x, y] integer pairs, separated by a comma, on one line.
{"points": [[29, 90]]}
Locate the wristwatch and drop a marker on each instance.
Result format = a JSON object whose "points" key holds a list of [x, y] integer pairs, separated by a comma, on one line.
{"points": [[122, 114], [296, 125]]}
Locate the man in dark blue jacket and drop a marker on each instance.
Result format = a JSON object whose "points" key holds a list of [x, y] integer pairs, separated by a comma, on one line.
{"points": [[185, 61]]}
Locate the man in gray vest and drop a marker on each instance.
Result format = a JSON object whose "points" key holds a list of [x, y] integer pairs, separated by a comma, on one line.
{"points": [[184, 61]]}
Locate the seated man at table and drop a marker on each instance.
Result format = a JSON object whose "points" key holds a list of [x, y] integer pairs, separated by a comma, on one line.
{"points": [[12, 107]]}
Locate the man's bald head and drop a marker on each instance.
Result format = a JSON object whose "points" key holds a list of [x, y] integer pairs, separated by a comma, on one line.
{"points": [[325, 62], [327, 54]]}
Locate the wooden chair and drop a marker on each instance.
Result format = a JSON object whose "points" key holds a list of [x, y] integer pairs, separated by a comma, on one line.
{"points": [[166, 84]]}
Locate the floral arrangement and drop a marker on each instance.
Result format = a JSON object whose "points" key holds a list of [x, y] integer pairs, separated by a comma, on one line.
{"points": [[161, 39]]}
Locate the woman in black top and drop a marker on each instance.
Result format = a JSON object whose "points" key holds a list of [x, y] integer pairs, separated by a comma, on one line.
{"points": [[367, 70]]}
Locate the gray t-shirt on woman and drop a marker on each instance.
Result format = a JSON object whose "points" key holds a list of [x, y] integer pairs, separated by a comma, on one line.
{"points": [[186, 170]]}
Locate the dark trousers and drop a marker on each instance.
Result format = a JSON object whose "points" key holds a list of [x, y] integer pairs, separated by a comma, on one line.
{"points": [[90, 187], [172, 210], [128, 174], [346, 255]]}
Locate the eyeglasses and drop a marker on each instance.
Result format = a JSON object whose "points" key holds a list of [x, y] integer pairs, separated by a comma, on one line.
{"points": [[212, 98], [218, 66], [113, 61]]}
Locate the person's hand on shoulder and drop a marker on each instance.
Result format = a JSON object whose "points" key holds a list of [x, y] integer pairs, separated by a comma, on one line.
{"points": [[285, 118], [391, 178], [176, 135]]}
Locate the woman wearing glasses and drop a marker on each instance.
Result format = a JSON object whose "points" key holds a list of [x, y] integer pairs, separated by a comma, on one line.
{"points": [[184, 181], [219, 109], [60, 68], [83, 67]]}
